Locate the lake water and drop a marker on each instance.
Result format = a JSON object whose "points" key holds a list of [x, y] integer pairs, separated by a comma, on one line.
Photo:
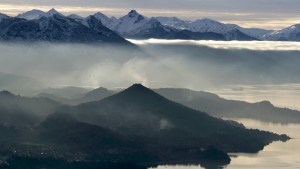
{"points": [[277, 155], [282, 95]]}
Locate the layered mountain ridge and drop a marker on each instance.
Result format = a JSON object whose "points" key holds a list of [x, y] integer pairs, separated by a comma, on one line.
{"points": [[136, 26], [211, 103], [52, 26], [135, 125], [37, 14]]}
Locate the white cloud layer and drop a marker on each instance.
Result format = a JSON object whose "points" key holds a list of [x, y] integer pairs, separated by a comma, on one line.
{"points": [[251, 45]]}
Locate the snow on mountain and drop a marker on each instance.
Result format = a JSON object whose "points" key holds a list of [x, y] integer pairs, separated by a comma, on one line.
{"points": [[52, 12], [58, 28], [151, 29], [114, 19], [154, 29], [31, 15], [200, 25], [291, 33], [173, 22], [136, 25], [108, 22], [96, 25], [37, 14], [130, 22], [209, 25]]}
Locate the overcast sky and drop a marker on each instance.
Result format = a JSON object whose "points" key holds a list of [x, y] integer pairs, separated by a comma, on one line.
{"points": [[272, 14]]}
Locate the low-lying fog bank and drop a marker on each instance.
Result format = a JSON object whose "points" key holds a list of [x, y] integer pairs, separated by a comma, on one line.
{"points": [[199, 65], [251, 45]]}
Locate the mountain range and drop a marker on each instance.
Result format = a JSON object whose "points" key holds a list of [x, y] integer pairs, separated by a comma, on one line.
{"points": [[291, 33], [211, 103], [140, 111], [78, 98], [23, 112], [17, 83], [223, 108], [54, 27], [101, 28]]}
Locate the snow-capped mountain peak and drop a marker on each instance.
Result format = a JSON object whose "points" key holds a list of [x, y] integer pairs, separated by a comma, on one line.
{"points": [[37, 14], [207, 21], [74, 16], [103, 18], [172, 22], [58, 28], [200, 25], [52, 12], [31, 15], [209, 25], [130, 22], [106, 21], [291, 33], [133, 13], [100, 15], [114, 19], [136, 24]]}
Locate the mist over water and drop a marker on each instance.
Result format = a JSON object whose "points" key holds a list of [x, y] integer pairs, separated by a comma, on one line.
{"points": [[230, 69], [197, 66], [68, 64]]}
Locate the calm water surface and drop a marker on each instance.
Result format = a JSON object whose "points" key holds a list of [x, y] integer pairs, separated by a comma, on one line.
{"points": [[277, 155], [283, 95]]}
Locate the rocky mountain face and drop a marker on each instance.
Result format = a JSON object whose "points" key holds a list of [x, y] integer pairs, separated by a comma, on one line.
{"points": [[52, 26], [291, 33]]}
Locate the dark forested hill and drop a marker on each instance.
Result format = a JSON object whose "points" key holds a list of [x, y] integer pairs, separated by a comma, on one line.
{"points": [[140, 111], [220, 107]]}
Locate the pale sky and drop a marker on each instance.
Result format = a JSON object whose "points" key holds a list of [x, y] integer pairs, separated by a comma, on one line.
{"points": [[270, 14]]}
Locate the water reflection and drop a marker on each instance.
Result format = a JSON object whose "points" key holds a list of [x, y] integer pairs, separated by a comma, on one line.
{"points": [[277, 155], [283, 95], [185, 167]]}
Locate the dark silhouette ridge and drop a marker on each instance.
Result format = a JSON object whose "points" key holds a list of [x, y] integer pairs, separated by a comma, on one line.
{"points": [[93, 95], [141, 111], [23, 112], [136, 125], [220, 107], [206, 102], [5, 93]]}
